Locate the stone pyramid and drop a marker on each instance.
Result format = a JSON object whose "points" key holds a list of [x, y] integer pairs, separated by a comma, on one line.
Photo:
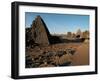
{"points": [[39, 32]]}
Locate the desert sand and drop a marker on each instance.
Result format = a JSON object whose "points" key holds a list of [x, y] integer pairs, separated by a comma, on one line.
{"points": [[81, 57]]}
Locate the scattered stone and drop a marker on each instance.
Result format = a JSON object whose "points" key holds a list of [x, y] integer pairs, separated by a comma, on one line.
{"points": [[70, 51], [64, 59], [28, 61], [60, 53]]}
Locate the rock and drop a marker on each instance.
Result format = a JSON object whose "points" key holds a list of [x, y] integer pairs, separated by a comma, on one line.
{"points": [[50, 53], [60, 53], [64, 59], [46, 65], [70, 51], [56, 60], [29, 41], [86, 41], [28, 61]]}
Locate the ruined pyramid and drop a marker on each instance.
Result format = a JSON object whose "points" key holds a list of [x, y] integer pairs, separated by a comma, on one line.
{"points": [[39, 32]]}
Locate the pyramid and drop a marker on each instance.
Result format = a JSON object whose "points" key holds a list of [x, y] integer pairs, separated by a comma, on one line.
{"points": [[39, 32]]}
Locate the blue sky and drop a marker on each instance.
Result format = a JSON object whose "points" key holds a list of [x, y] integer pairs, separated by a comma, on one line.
{"points": [[60, 23]]}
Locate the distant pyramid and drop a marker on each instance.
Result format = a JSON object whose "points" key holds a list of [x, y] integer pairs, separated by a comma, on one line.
{"points": [[39, 32], [79, 33]]}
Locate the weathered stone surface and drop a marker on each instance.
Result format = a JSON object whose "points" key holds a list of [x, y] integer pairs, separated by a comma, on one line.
{"points": [[39, 32]]}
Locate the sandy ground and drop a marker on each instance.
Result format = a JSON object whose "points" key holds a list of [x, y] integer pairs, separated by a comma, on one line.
{"points": [[81, 57]]}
